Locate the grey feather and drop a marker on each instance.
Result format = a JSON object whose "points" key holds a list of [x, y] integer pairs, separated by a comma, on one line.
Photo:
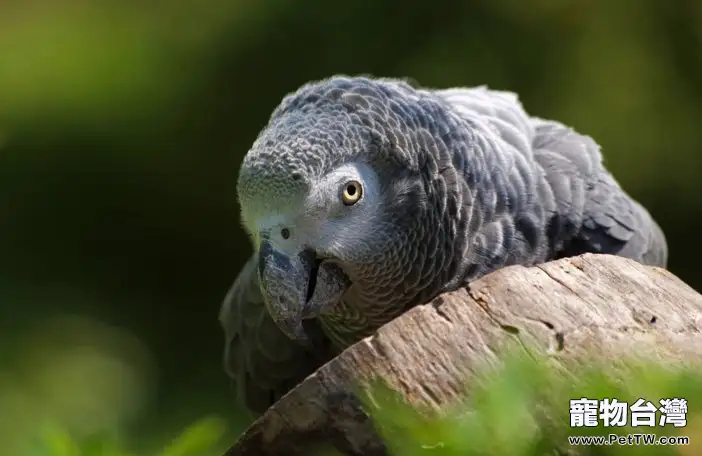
{"points": [[467, 182]]}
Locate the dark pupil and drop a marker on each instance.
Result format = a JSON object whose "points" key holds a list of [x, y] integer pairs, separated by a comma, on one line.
{"points": [[285, 233], [351, 190]]}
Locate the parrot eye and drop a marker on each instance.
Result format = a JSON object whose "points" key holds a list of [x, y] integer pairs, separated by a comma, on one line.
{"points": [[352, 192]]}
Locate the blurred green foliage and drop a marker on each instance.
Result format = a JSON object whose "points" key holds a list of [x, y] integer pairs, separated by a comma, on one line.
{"points": [[196, 440], [122, 125], [523, 410], [519, 409]]}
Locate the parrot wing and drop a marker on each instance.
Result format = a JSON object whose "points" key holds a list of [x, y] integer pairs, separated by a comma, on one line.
{"points": [[610, 221]]}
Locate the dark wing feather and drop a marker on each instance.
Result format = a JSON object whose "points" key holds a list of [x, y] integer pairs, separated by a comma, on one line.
{"points": [[594, 213]]}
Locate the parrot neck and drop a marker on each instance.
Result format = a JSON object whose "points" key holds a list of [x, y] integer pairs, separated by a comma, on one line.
{"points": [[361, 313]]}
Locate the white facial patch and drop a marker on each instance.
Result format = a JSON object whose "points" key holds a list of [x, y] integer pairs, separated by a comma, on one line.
{"points": [[339, 228]]}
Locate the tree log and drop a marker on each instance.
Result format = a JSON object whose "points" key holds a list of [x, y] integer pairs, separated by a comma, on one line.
{"points": [[562, 312]]}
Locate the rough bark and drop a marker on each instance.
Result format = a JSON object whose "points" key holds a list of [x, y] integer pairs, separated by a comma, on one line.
{"points": [[563, 312]]}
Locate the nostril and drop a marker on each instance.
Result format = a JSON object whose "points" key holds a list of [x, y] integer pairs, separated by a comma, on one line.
{"points": [[285, 233]]}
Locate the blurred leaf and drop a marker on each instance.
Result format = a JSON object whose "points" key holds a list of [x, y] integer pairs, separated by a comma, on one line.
{"points": [[60, 443], [197, 438]]}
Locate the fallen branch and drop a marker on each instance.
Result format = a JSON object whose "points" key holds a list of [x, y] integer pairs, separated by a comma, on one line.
{"points": [[565, 312]]}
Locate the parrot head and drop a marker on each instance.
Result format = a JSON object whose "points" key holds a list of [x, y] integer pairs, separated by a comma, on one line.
{"points": [[307, 238], [331, 197]]}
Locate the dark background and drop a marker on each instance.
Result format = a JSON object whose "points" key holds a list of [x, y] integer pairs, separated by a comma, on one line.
{"points": [[122, 126]]}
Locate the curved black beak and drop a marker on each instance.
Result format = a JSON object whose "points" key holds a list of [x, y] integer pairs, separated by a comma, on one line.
{"points": [[287, 283]]}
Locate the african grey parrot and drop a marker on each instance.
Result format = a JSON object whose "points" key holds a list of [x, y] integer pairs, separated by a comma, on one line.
{"points": [[364, 197]]}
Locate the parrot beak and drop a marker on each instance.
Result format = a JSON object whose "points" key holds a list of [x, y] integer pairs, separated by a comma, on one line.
{"points": [[285, 281], [298, 287]]}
